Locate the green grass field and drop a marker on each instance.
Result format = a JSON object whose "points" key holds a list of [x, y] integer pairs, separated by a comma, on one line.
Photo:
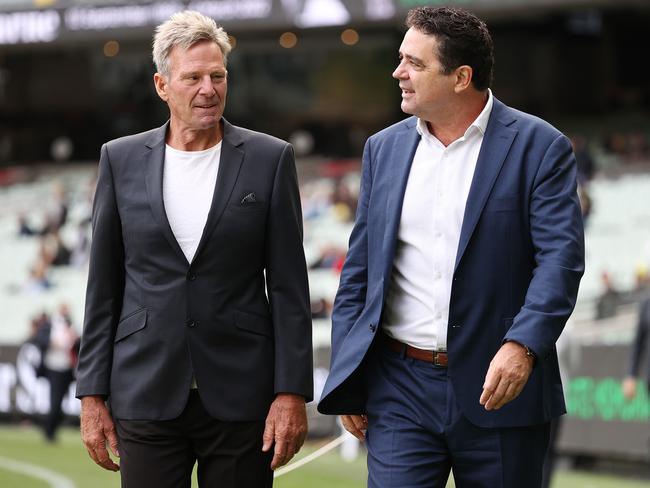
{"points": [[25, 447]]}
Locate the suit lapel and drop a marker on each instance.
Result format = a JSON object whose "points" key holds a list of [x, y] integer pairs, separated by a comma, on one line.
{"points": [[229, 165], [398, 164], [494, 149], [154, 158]]}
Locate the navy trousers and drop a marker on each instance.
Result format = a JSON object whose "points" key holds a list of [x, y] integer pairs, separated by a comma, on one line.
{"points": [[417, 433]]}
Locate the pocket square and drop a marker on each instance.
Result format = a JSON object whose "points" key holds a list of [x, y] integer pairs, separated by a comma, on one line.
{"points": [[249, 198]]}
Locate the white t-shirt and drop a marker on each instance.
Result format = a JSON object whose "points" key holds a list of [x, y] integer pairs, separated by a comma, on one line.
{"points": [[189, 179]]}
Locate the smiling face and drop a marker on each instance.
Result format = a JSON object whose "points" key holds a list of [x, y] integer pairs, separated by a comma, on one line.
{"points": [[195, 89], [426, 90]]}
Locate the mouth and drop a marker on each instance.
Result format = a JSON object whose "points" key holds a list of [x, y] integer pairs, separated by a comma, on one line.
{"points": [[206, 106], [406, 92]]}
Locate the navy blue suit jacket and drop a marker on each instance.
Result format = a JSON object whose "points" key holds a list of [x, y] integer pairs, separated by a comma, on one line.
{"points": [[519, 262]]}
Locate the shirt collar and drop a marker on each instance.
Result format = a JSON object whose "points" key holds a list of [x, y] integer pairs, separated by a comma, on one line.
{"points": [[479, 123]]}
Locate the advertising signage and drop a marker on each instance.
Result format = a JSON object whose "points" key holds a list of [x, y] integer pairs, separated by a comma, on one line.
{"points": [[46, 21], [63, 20]]}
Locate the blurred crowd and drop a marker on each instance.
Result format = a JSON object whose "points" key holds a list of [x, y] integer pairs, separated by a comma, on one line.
{"points": [[58, 342], [53, 250]]}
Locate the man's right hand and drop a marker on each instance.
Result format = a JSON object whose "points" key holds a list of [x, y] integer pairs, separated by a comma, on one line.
{"points": [[97, 430], [355, 425], [629, 387]]}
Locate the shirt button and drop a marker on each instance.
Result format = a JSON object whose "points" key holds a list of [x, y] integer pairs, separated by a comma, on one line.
{"points": [[372, 327], [191, 323]]}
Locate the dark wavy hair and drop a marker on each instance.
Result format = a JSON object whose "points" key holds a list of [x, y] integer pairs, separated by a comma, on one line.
{"points": [[463, 39]]}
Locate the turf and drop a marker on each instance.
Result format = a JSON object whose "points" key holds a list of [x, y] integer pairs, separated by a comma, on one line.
{"points": [[68, 458]]}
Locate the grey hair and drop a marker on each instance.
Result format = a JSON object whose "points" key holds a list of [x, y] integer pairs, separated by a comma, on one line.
{"points": [[184, 29]]}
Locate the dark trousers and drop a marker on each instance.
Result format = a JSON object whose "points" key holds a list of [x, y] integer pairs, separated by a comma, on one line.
{"points": [[59, 384], [163, 453], [417, 433]]}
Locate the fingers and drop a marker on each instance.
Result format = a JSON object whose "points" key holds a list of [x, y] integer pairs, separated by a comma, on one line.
{"points": [[506, 377], [96, 446], [285, 427], [282, 453], [490, 386], [267, 437], [97, 429], [111, 437], [104, 460], [355, 425]]}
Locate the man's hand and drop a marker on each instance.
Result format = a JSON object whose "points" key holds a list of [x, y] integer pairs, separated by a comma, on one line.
{"points": [[629, 387], [97, 429], [286, 425], [355, 425], [507, 375]]}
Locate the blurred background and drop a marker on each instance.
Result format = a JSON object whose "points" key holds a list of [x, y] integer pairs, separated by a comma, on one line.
{"points": [[76, 73]]}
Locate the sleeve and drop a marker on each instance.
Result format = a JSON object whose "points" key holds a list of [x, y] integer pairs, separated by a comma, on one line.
{"points": [[557, 235], [287, 285], [104, 290], [351, 295]]}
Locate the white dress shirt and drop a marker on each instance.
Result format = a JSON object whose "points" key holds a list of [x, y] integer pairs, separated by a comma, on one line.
{"points": [[189, 178], [417, 305]]}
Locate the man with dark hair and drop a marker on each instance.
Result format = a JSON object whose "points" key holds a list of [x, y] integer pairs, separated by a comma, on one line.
{"points": [[463, 268]]}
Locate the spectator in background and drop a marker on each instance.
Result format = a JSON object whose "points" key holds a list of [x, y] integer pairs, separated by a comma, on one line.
{"points": [[53, 251], [59, 345], [584, 160], [320, 309], [330, 257], [609, 299], [38, 280], [55, 217], [639, 347], [345, 203]]}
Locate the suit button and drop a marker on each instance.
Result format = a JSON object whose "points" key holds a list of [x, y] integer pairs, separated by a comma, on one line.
{"points": [[191, 276], [373, 327], [190, 323]]}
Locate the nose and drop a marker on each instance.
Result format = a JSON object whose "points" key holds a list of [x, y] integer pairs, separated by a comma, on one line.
{"points": [[207, 86], [400, 72]]}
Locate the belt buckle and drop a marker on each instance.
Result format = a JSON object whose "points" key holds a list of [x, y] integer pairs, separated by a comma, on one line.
{"points": [[436, 362], [435, 358]]}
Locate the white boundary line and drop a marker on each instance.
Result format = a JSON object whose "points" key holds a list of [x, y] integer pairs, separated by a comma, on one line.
{"points": [[55, 480], [307, 459]]}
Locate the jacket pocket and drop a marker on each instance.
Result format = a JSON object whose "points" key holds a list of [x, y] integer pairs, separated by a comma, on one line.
{"points": [[131, 323], [254, 323]]}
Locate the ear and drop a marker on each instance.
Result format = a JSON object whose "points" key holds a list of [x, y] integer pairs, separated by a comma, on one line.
{"points": [[463, 80], [160, 83]]}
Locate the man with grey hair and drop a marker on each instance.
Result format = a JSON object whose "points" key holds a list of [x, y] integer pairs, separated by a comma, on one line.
{"points": [[197, 335]]}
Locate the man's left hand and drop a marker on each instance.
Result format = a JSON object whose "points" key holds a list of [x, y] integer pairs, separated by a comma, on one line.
{"points": [[286, 426], [507, 375]]}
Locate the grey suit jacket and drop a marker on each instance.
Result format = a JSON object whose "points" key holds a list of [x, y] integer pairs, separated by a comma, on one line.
{"points": [[237, 316]]}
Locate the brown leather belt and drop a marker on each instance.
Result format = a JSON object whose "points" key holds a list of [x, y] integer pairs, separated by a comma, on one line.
{"points": [[439, 358]]}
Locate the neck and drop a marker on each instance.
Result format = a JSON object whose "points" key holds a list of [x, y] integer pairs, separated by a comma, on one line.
{"points": [[185, 139], [451, 124]]}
